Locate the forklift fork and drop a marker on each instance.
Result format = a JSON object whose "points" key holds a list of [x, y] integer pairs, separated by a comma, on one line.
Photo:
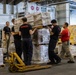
{"points": [[21, 67]]}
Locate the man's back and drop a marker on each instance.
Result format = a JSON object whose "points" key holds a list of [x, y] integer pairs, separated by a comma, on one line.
{"points": [[65, 35], [25, 30]]}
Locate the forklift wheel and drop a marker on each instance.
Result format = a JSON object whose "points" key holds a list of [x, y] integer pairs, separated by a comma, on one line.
{"points": [[13, 68]]}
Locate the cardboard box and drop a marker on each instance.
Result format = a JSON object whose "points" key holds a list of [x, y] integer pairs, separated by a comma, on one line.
{"points": [[30, 18], [46, 22], [18, 24], [39, 22], [45, 15], [40, 16], [42, 19], [37, 17], [31, 23], [43, 22]]}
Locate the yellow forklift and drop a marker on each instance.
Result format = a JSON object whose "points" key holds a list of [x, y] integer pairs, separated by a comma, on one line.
{"points": [[21, 67]]}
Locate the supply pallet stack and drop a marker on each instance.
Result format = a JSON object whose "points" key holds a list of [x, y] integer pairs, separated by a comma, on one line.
{"points": [[40, 51], [40, 37]]}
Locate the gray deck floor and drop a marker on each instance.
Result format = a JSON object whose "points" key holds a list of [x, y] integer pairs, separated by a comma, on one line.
{"points": [[62, 69]]}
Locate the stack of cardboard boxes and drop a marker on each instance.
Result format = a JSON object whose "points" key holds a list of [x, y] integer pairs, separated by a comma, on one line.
{"points": [[39, 19]]}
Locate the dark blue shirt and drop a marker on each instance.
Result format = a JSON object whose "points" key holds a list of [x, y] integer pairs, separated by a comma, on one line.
{"points": [[56, 30], [6, 29]]}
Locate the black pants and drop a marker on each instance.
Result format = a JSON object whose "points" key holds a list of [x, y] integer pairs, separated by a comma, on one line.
{"points": [[27, 50], [18, 47], [52, 55]]}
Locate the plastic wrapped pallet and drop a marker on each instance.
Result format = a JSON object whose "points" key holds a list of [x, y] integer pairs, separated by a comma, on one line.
{"points": [[42, 36], [73, 50], [1, 56], [40, 54]]}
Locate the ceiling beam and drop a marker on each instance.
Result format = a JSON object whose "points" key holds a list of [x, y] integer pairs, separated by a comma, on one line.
{"points": [[1, 1], [18, 1], [41, 1], [10, 1], [45, 2], [4, 1]]}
